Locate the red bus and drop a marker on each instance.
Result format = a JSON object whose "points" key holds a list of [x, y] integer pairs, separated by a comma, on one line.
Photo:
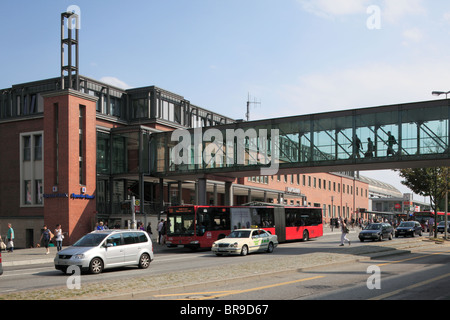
{"points": [[199, 226], [424, 216]]}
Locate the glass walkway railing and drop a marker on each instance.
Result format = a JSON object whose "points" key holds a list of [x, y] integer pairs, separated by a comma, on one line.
{"points": [[388, 137]]}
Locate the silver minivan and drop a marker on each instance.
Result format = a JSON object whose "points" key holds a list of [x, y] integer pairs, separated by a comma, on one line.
{"points": [[104, 249]]}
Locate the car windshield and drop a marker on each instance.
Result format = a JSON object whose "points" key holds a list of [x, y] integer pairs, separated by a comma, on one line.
{"points": [[239, 234], [373, 227], [442, 223], [91, 240], [407, 224]]}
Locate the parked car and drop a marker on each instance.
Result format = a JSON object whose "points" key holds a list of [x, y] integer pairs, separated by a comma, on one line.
{"points": [[104, 249], [244, 241], [406, 228], [441, 227], [377, 231]]}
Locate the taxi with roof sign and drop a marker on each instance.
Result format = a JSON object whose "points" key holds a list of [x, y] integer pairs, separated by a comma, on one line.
{"points": [[245, 241]]}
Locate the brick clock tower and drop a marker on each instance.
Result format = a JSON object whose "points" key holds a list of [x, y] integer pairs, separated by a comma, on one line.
{"points": [[70, 162]]}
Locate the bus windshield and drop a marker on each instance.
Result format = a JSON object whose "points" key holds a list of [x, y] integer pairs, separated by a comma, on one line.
{"points": [[181, 222]]}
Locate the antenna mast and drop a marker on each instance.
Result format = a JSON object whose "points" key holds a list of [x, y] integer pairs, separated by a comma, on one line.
{"points": [[247, 115]]}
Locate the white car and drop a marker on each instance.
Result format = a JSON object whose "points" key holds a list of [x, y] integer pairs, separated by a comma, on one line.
{"points": [[244, 241], [100, 250]]}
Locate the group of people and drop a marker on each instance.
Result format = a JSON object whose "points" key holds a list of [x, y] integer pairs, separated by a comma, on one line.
{"points": [[46, 238], [358, 147]]}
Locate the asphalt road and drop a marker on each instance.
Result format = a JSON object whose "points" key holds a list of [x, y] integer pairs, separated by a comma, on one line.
{"points": [[422, 275]]}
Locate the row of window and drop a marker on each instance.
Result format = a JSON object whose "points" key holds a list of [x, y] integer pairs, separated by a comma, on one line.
{"points": [[151, 103], [32, 188], [312, 182], [33, 194], [32, 147]]}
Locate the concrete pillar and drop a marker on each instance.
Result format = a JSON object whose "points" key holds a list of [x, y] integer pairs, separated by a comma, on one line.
{"points": [[201, 192], [161, 197], [215, 195], [180, 192], [228, 193]]}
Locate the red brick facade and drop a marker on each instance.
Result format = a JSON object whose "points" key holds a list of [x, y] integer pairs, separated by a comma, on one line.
{"points": [[61, 171]]}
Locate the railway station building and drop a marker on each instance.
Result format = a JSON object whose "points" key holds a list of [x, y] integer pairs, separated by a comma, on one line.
{"points": [[77, 157]]}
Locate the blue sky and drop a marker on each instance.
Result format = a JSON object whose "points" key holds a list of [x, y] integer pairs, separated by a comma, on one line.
{"points": [[293, 56]]}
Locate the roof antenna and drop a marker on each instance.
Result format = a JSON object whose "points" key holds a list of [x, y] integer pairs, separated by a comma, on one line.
{"points": [[247, 115]]}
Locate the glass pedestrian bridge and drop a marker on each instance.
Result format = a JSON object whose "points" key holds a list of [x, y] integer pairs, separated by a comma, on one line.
{"points": [[388, 137]]}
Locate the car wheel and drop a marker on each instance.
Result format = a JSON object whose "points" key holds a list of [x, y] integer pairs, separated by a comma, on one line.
{"points": [[270, 247], [244, 250], [96, 266], [144, 261]]}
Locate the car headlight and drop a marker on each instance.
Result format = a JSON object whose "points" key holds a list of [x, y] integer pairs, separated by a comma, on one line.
{"points": [[215, 245], [78, 256], [234, 245]]}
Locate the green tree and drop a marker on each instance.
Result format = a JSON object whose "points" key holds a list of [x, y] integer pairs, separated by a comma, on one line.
{"points": [[427, 182]]}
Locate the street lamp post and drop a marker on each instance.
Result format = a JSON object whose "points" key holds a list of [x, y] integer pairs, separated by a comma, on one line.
{"points": [[438, 93]]}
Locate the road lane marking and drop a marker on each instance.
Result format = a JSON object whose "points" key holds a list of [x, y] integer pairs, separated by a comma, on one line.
{"points": [[413, 258], [417, 285], [220, 294]]}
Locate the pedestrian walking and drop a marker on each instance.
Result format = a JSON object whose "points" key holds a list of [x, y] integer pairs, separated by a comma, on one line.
{"points": [[431, 226], [149, 229], [164, 232], [370, 149], [46, 237], [390, 142], [160, 226], [345, 231], [10, 238], [59, 236], [357, 147]]}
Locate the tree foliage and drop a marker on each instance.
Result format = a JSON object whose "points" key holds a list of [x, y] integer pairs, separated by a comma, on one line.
{"points": [[427, 182]]}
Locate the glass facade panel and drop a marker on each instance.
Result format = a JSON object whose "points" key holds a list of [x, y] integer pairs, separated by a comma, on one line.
{"points": [[103, 153], [333, 139], [139, 108], [425, 131]]}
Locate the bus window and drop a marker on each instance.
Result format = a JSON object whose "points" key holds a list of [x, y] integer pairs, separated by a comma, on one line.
{"points": [[300, 217], [216, 219], [263, 217]]}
